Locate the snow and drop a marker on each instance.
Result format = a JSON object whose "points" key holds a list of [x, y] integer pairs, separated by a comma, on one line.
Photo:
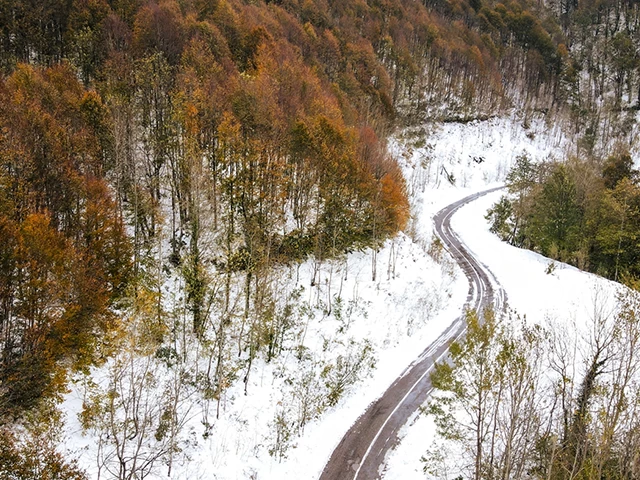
{"points": [[412, 300]]}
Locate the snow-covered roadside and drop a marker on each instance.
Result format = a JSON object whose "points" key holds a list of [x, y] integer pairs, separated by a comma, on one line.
{"points": [[411, 301], [562, 293], [564, 296]]}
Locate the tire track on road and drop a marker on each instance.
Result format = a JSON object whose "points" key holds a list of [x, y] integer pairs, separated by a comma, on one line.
{"points": [[361, 453]]}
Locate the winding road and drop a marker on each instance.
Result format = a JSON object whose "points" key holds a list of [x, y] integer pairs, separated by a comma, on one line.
{"points": [[361, 452]]}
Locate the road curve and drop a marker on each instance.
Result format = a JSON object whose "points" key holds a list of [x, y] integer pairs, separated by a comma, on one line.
{"points": [[361, 452]]}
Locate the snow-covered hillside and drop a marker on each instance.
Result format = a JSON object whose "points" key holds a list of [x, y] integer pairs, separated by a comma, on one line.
{"points": [[416, 293]]}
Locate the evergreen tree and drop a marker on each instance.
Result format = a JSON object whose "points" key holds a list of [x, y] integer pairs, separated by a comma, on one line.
{"points": [[557, 217]]}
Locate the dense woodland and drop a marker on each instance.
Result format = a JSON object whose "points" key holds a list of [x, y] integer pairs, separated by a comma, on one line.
{"points": [[215, 141], [583, 209]]}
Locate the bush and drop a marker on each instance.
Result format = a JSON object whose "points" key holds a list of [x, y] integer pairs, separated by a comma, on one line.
{"points": [[34, 459]]}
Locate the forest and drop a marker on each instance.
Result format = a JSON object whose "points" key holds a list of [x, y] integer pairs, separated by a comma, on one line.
{"points": [[189, 149]]}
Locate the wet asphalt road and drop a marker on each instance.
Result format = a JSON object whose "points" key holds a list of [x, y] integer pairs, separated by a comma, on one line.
{"points": [[361, 452]]}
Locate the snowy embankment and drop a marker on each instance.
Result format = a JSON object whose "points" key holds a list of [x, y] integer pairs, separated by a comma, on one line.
{"points": [[545, 292], [412, 299]]}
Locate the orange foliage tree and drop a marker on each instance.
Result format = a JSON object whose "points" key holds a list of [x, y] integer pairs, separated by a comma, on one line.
{"points": [[65, 256]]}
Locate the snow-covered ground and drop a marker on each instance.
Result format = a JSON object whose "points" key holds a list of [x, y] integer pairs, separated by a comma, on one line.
{"points": [[412, 299]]}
